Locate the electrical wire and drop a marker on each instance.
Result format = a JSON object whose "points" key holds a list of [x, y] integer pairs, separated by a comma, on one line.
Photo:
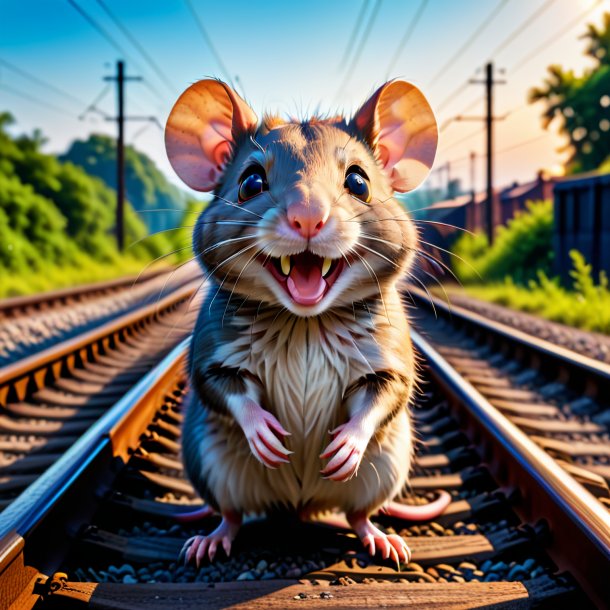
{"points": [[522, 27], [35, 79], [469, 42], [208, 41], [113, 42], [360, 47], [35, 100], [553, 38], [134, 41], [407, 36], [354, 34]]}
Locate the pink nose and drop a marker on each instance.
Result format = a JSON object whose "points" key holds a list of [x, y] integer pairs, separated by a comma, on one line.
{"points": [[306, 220]]}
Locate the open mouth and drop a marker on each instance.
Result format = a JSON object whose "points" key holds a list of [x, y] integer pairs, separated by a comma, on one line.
{"points": [[306, 277]]}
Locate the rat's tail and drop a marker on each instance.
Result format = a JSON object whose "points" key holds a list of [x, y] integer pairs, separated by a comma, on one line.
{"points": [[195, 515], [422, 512]]}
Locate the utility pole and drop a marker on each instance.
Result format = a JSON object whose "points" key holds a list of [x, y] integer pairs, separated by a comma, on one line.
{"points": [[120, 79], [489, 82]]}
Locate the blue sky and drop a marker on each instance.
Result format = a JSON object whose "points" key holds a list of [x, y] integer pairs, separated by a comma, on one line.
{"points": [[287, 57]]}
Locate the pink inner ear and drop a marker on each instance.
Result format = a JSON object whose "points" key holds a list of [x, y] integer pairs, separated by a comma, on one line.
{"points": [[391, 144], [221, 154]]}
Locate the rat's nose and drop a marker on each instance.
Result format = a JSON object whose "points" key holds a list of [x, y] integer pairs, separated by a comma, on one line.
{"points": [[307, 220]]}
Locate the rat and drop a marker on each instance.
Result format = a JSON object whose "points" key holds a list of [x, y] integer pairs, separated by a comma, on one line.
{"points": [[300, 366]]}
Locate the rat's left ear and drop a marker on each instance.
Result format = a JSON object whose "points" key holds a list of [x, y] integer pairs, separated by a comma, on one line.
{"points": [[399, 125]]}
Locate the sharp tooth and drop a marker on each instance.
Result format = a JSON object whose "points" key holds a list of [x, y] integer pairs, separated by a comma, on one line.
{"points": [[285, 262], [326, 266]]}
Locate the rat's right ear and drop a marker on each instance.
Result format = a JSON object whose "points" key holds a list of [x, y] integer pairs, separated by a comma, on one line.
{"points": [[202, 129], [399, 125]]}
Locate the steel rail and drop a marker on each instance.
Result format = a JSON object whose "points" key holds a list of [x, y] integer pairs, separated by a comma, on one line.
{"points": [[32, 371], [44, 301], [559, 355], [584, 547], [109, 438]]}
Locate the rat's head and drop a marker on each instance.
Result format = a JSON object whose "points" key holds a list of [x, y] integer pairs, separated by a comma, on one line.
{"points": [[303, 213]]}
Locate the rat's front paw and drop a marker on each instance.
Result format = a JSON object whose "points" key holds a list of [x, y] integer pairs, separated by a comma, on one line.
{"points": [[264, 434], [347, 448]]}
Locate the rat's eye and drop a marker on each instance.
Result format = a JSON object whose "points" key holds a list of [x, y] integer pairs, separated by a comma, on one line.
{"points": [[252, 183], [357, 183]]}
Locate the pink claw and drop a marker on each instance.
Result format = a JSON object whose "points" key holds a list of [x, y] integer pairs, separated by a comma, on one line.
{"points": [[264, 433], [375, 540], [348, 446], [198, 547]]}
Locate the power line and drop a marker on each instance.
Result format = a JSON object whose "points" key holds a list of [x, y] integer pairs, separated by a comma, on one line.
{"points": [[208, 41], [458, 116], [522, 27], [554, 38], [355, 31], [92, 107], [405, 39], [522, 143], [112, 41], [39, 81], [513, 35], [469, 42], [35, 100], [96, 26], [361, 45], [464, 139], [149, 60]]}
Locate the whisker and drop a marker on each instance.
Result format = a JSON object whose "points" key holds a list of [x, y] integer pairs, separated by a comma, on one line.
{"points": [[434, 260], [374, 275], [444, 224], [372, 251], [139, 241], [429, 295], [237, 223], [238, 207], [250, 260], [253, 140], [235, 255], [157, 260], [447, 299], [227, 241], [383, 241], [452, 254]]}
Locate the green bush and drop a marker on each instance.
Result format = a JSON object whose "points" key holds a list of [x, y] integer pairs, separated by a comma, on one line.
{"points": [[57, 222], [520, 249], [586, 305]]}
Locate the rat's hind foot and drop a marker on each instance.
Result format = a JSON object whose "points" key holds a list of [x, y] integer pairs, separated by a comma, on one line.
{"points": [[198, 546], [374, 539]]}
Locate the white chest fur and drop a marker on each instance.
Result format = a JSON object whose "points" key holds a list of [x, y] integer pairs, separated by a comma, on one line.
{"points": [[305, 366]]}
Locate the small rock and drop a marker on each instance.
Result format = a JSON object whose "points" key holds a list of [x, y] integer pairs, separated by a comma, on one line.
{"points": [[246, 576]]}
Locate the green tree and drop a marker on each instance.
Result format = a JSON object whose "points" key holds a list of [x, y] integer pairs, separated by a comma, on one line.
{"points": [[160, 203], [581, 104]]}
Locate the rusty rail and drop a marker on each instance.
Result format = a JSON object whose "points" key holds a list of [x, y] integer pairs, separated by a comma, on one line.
{"points": [[13, 306]]}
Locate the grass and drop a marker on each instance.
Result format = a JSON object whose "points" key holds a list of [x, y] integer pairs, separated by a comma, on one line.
{"points": [[586, 305], [84, 271]]}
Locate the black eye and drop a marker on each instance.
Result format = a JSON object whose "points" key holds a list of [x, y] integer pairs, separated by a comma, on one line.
{"points": [[252, 183], [357, 184]]}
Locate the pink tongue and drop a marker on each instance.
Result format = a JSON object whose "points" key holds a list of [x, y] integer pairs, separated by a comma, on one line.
{"points": [[306, 284]]}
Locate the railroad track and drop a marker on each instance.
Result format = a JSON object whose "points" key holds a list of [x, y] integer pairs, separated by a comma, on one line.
{"points": [[33, 323], [14, 307], [559, 398], [99, 528], [50, 399]]}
